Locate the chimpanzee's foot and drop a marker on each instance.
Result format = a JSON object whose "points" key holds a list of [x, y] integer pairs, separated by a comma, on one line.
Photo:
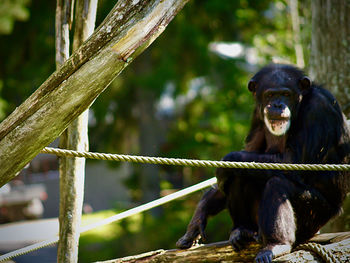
{"points": [[187, 240], [240, 236], [267, 254]]}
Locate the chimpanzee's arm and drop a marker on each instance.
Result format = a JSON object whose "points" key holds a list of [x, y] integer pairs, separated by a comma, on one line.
{"points": [[244, 156], [212, 202]]}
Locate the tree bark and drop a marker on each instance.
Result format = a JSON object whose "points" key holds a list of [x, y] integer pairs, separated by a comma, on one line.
{"points": [[330, 48], [223, 252], [72, 170], [296, 33], [64, 11], [127, 31], [330, 62]]}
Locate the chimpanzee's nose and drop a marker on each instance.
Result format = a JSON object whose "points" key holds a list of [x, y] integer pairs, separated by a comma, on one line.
{"points": [[278, 105]]}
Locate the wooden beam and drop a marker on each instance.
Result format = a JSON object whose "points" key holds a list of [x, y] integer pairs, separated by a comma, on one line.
{"points": [[126, 32]]}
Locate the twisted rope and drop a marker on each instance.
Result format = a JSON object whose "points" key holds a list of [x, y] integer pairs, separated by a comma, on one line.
{"points": [[320, 250], [28, 249], [195, 163]]}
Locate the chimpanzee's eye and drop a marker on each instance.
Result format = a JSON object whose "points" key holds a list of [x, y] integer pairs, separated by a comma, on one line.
{"points": [[269, 95]]}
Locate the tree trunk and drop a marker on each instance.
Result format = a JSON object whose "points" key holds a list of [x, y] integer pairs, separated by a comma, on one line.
{"points": [[72, 170], [330, 48], [330, 62], [338, 245], [127, 31]]}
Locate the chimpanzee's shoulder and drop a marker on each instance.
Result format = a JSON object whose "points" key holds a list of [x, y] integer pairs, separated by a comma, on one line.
{"points": [[318, 98], [321, 92]]}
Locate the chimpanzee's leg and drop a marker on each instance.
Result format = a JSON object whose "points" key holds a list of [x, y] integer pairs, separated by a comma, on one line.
{"points": [[212, 202], [312, 210], [277, 223], [244, 191]]}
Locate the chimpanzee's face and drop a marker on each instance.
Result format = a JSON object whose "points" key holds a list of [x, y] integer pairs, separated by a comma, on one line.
{"points": [[278, 95], [277, 106]]}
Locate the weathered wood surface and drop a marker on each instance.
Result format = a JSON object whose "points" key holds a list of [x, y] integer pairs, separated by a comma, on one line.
{"points": [[72, 170], [129, 29], [338, 243]]}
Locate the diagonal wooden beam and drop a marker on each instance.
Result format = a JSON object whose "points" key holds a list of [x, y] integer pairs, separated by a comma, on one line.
{"points": [[127, 31]]}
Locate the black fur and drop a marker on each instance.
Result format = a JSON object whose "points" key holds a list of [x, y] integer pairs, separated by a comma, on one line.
{"points": [[282, 208]]}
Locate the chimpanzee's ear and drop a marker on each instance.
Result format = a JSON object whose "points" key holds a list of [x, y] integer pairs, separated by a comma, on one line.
{"points": [[304, 83], [252, 86]]}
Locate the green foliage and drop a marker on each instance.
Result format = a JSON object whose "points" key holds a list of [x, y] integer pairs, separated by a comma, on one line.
{"points": [[10, 11], [275, 42], [218, 115], [28, 54], [3, 103]]}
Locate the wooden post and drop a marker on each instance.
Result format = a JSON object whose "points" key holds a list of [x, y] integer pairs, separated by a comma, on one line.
{"points": [[63, 22], [72, 170], [126, 32]]}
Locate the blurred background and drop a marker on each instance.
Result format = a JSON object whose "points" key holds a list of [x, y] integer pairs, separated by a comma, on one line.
{"points": [[186, 96]]}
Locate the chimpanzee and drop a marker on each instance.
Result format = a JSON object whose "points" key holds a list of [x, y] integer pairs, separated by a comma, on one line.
{"points": [[294, 121]]}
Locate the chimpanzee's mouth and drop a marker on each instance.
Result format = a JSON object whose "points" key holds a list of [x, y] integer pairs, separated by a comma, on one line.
{"points": [[277, 127], [277, 119]]}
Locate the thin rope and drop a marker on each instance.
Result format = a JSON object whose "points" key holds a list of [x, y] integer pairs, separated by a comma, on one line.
{"points": [[320, 250], [115, 218], [28, 249], [195, 163]]}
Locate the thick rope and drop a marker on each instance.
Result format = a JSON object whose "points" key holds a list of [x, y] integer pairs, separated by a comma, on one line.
{"points": [[196, 163], [326, 255], [320, 250], [115, 218]]}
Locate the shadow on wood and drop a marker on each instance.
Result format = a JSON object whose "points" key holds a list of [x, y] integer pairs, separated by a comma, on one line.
{"points": [[337, 243]]}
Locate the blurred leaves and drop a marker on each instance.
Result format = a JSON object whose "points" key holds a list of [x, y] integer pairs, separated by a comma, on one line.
{"points": [[180, 96], [3, 103], [208, 116], [27, 55], [211, 106], [10, 11]]}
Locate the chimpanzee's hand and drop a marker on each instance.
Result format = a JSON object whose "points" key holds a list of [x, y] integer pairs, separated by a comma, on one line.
{"points": [[195, 230], [244, 156], [235, 156]]}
